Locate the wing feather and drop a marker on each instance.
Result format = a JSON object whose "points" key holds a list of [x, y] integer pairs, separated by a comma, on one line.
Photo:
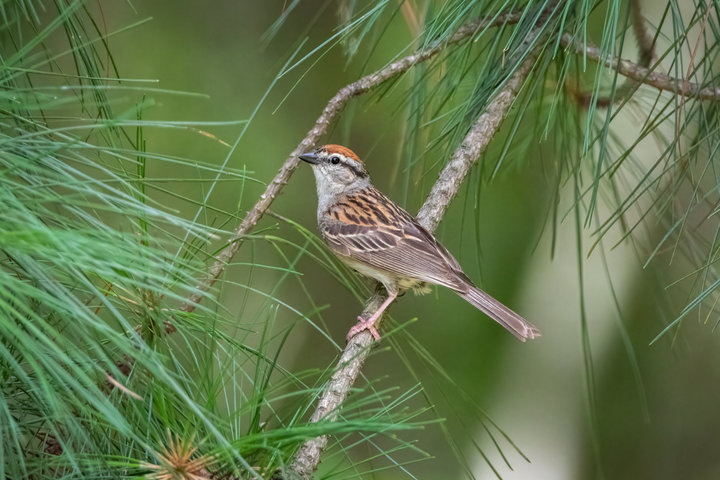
{"points": [[369, 228]]}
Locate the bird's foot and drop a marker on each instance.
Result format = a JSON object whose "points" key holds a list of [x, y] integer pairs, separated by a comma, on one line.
{"points": [[364, 325]]}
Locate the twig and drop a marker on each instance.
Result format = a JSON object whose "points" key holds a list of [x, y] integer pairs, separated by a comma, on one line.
{"points": [[640, 73], [646, 46], [446, 187], [334, 106], [691, 65], [645, 40]]}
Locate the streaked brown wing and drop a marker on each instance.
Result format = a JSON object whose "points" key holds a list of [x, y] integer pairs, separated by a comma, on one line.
{"points": [[368, 227]]}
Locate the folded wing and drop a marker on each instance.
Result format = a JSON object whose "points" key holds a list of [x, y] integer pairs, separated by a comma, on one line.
{"points": [[367, 227]]}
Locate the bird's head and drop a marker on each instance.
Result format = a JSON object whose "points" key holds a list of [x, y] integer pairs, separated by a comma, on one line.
{"points": [[337, 169]]}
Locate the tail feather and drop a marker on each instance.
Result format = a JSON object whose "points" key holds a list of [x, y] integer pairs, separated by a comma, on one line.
{"points": [[513, 322]]}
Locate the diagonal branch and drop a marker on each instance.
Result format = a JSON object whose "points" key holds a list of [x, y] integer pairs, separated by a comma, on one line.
{"points": [[333, 108], [373, 80], [446, 187]]}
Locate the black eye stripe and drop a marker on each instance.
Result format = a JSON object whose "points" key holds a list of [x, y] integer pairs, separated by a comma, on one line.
{"points": [[357, 171]]}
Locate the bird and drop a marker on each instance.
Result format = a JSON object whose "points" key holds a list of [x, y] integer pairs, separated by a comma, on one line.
{"points": [[379, 239]]}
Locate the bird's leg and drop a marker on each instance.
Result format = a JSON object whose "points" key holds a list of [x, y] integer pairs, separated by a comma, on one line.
{"points": [[369, 324]]}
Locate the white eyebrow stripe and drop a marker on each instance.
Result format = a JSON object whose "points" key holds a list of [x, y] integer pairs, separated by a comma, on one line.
{"points": [[355, 166]]}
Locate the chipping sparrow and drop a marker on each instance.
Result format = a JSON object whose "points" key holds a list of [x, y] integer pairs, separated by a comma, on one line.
{"points": [[376, 237]]}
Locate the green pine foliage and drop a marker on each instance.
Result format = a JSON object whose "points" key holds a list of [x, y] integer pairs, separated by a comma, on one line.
{"points": [[92, 271], [103, 376]]}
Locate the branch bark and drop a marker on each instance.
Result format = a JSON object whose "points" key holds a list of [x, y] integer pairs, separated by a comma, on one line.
{"points": [[446, 187], [333, 108], [639, 73]]}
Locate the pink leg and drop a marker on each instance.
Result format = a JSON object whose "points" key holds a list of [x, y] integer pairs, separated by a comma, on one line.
{"points": [[369, 324]]}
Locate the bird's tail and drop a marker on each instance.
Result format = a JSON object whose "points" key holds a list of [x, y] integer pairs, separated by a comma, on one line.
{"points": [[513, 322]]}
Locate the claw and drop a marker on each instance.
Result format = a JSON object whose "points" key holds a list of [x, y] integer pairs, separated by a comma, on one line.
{"points": [[363, 325], [369, 324]]}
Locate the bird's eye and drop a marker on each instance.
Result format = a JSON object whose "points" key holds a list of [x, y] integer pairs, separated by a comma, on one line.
{"points": [[334, 159]]}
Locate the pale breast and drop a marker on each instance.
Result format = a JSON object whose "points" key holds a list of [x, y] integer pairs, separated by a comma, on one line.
{"points": [[389, 281]]}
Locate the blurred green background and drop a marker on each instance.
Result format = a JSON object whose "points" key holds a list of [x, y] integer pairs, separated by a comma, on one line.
{"points": [[657, 419]]}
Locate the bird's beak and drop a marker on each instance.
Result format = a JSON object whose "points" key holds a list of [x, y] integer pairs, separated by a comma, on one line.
{"points": [[310, 157]]}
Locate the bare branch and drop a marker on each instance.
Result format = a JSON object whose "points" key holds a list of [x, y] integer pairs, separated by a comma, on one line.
{"points": [[346, 373], [334, 106], [446, 187], [640, 73], [645, 40], [476, 141]]}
